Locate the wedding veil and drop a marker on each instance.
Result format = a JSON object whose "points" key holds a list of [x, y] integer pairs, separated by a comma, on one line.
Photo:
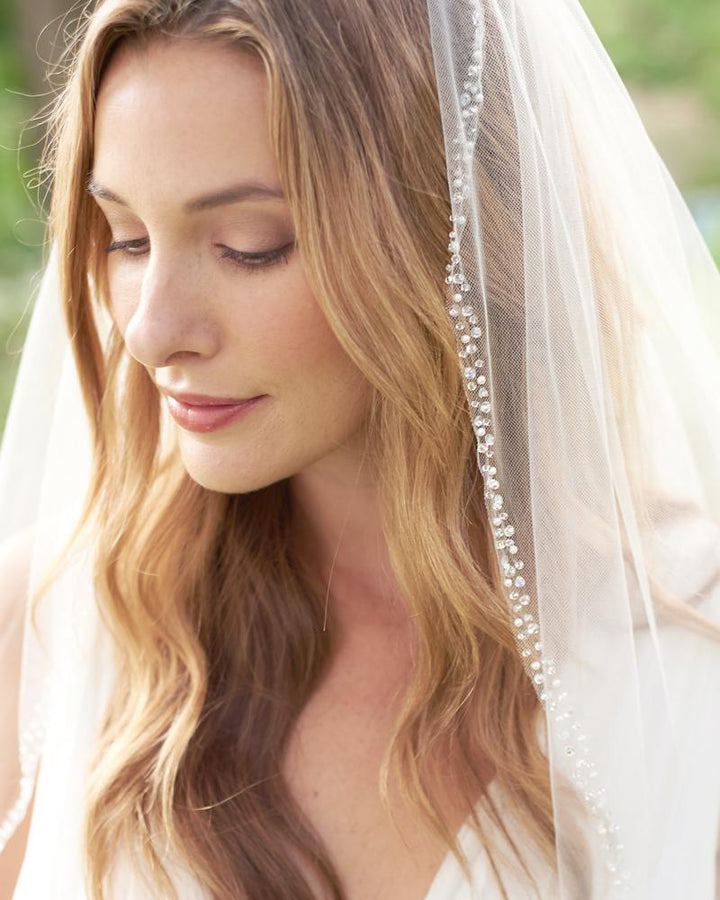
{"points": [[592, 377]]}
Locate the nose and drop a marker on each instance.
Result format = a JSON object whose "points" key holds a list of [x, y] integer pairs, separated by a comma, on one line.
{"points": [[170, 317]]}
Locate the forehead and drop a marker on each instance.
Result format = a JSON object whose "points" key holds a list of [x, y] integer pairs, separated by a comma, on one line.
{"points": [[167, 110]]}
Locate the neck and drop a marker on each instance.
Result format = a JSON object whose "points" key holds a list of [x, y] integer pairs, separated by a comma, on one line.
{"points": [[337, 532]]}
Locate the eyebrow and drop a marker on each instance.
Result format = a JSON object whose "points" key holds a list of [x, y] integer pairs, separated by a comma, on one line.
{"points": [[246, 190]]}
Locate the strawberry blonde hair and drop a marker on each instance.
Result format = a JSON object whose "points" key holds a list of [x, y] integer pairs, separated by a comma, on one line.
{"points": [[217, 657]]}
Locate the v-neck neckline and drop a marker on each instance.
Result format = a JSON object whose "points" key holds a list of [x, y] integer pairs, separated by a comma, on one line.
{"points": [[449, 878]]}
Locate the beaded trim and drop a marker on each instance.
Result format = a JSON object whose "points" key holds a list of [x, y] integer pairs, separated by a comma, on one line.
{"points": [[30, 744], [527, 631], [466, 324]]}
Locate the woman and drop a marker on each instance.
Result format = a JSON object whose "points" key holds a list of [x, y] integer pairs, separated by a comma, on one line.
{"points": [[306, 661]]}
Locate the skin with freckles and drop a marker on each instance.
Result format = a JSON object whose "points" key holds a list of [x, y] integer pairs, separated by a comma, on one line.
{"points": [[200, 318], [181, 120]]}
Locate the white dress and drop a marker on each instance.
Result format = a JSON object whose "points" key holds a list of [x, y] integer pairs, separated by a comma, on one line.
{"points": [[81, 685]]}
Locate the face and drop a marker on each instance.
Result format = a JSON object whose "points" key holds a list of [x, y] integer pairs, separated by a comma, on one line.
{"points": [[211, 296]]}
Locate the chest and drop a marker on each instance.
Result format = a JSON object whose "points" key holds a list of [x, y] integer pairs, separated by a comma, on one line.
{"points": [[332, 767]]}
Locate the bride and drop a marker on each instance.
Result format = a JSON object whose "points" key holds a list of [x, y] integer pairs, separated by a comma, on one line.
{"points": [[302, 641]]}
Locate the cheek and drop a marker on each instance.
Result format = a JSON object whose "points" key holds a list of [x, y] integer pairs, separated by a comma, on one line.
{"points": [[122, 298], [317, 384]]}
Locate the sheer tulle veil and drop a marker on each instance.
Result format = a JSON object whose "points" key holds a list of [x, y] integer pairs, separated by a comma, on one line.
{"points": [[593, 391]]}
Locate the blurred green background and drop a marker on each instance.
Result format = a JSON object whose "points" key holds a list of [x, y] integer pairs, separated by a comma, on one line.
{"points": [[667, 51]]}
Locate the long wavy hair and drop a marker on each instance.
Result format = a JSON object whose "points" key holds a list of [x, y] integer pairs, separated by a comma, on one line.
{"points": [[217, 657]]}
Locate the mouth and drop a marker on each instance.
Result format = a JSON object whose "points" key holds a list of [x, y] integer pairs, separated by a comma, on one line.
{"points": [[211, 414], [206, 399]]}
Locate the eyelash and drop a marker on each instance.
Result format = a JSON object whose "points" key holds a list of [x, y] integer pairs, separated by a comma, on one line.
{"points": [[250, 262]]}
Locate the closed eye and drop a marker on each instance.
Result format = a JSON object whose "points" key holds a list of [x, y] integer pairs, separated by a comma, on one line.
{"points": [[249, 261]]}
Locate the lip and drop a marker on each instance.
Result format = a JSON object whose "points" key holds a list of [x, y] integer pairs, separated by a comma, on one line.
{"points": [[210, 414], [205, 399]]}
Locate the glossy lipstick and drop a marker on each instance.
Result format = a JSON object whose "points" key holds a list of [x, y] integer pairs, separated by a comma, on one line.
{"points": [[209, 415]]}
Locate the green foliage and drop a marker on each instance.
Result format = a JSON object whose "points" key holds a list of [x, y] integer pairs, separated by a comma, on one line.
{"points": [[20, 222], [663, 42], [664, 47]]}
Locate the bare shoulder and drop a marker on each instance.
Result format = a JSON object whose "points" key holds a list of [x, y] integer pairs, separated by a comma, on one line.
{"points": [[15, 560]]}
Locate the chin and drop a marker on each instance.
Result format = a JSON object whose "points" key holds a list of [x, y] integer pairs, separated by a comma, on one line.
{"points": [[225, 476], [225, 482]]}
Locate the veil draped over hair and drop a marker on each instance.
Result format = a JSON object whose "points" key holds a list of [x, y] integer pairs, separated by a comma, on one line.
{"points": [[593, 384], [592, 380]]}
